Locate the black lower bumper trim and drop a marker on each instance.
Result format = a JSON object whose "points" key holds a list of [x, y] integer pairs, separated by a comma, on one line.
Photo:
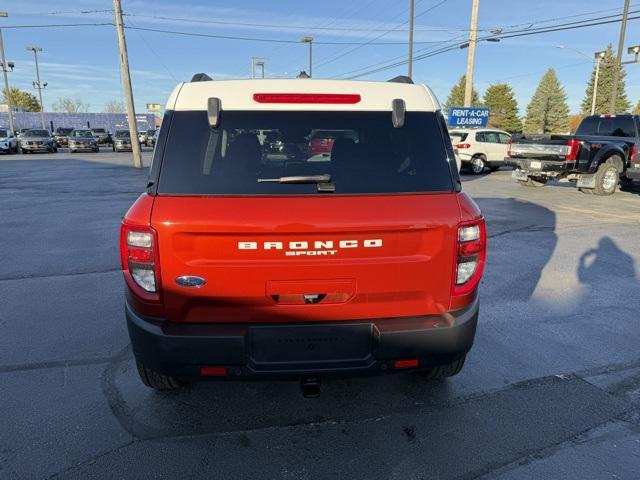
{"points": [[294, 350]]}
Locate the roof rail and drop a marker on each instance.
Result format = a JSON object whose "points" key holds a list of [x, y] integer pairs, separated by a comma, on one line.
{"points": [[401, 79], [201, 77]]}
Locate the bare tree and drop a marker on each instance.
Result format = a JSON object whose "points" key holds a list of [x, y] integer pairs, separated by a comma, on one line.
{"points": [[114, 106], [70, 105]]}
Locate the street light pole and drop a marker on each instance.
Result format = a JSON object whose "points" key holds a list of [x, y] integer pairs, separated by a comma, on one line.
{"points": [[599, 57], [473, 40], [126, 81], [6, 77], [411, 15], [618, 66], [37, 84], [309, 40]]}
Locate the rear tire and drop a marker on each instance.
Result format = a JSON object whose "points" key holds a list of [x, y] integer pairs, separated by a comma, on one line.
{"points": [[530, 182], [157, 381], [607, 178], [443, 371], [477, 164]]}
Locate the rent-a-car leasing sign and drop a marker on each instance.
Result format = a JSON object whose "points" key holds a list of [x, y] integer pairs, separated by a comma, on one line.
{"points": [[468, 117]]}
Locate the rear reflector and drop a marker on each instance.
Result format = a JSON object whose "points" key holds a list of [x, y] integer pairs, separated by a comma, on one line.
{"points": [[408, 363], [213, 371], [462, 146], [336, 98]]}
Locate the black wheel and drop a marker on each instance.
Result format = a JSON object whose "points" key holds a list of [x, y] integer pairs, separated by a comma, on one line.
{"points": [[24, 152], [72, 150], [157, 381], [443, 371], [607, 178], [530, 182], [478, 164]]}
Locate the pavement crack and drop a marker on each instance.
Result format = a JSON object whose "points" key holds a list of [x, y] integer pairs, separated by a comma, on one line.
{"points": [[54, 275], [81, 362]]}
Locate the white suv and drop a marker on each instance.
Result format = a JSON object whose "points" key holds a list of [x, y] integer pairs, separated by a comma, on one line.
{"points": [[481, 148]]}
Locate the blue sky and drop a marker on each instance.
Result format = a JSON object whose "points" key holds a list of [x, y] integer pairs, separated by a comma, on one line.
{"points": [[82, 62]]}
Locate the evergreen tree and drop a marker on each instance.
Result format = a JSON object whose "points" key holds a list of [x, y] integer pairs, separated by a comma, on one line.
{"points": [[636, 109], [605, 85], [456, 96], [501, 102], [548, 111]]}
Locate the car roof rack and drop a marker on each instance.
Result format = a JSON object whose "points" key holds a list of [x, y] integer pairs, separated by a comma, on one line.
{"points": [[401, 79], [201, 77]]}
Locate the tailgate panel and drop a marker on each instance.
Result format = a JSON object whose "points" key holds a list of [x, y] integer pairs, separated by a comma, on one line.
{"points": [[314, 258]]}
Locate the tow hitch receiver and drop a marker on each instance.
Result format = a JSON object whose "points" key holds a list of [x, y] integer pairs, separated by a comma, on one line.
{"points": [[310, 387]]}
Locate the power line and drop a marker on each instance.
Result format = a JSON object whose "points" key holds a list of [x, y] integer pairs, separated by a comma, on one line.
{"points": [[281, 26], [261, 39], [57, 25], [517, 33], [371, 42]]}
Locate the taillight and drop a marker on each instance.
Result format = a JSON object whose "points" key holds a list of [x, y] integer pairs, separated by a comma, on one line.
{"points": [[574, 147], [509, 147], [140, 261], [471, 245], [463, 145], [634, 154]]}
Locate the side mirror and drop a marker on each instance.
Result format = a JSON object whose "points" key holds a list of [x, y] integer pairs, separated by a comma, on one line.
{"points": [[213, 111], [397, 114]]}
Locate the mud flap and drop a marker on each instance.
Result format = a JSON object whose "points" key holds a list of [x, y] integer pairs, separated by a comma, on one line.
{"points": [[586, 181]]}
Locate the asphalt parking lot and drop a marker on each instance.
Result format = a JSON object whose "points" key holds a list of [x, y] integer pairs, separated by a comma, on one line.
{"points": [[551, 388]]}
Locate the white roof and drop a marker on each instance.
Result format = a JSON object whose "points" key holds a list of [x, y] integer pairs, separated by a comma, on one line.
{"points": [[238, 95]]}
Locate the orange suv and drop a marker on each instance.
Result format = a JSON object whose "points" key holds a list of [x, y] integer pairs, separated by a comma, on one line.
{"points": [[244, 261]]}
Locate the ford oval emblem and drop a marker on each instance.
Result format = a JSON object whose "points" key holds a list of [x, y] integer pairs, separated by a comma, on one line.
{"points": [[190, 281]]}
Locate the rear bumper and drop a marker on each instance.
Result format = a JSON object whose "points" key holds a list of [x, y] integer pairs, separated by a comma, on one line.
{"points": [[633, 173], [546, 166], [294, 350]]}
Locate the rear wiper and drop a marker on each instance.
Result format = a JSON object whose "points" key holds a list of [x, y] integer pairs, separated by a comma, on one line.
{"points": [[323, 181]]}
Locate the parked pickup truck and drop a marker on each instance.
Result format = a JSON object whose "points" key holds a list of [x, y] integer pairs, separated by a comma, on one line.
{"points": [[603, 152]]}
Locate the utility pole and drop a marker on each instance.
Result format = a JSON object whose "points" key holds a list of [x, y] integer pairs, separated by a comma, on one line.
{"points": [[309, 40], [618, 66], [37, 84], [411, 10], [6, 78], [126, 82], [471, 56]]}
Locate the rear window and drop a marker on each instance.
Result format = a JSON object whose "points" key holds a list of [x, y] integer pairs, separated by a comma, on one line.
{"points": [[37, 133], [457, 137], [99, 130], [619, 126], [250, 152]]}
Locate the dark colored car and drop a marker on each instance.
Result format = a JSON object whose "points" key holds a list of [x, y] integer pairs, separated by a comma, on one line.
{"points": [[82, 140], [243, 263], [122, 141], [102, 136], [602, 153], [37, 140], [61, 136]]}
